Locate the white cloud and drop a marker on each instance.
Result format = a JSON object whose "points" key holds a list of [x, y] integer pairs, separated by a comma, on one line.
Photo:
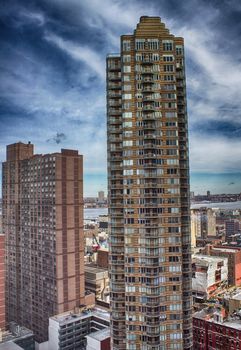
{"points": [[80, 53]]}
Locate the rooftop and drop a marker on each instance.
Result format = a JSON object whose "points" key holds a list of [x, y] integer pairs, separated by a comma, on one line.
{"points": [[69, 317], [101, 334], [208, 258], [208, 313]]}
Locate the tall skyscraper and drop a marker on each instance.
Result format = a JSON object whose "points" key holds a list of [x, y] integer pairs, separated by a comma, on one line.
{"points": [[148, 183], [43, 227]]}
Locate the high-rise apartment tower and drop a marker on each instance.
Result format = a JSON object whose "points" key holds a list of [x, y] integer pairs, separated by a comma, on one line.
{"points": [[43, 227], [148, 182]]}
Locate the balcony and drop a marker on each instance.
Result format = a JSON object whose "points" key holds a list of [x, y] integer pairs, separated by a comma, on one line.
{"points": [[148, 98], [148, 80], [114, 86], [148, 108], [114, 67]]}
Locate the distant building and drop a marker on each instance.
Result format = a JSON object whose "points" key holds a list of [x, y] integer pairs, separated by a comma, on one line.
{"points": [[208, 274], [212, 330], [103, 258], [43, 227], [97, 281], [234, 261], [192, 195], [203, 223], [101, 196], [69, 330], [232, 227]]}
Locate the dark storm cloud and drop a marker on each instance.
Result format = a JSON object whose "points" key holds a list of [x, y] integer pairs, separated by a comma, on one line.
{"points": [[52, 67]]}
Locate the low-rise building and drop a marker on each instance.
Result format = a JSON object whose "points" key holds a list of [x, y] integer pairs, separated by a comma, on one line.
{"points": [[99, 340], [17, 337], [68, 331], [234, 261], [213, 330], [208, 275]]}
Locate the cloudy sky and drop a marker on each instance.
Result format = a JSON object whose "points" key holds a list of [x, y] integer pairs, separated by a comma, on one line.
{"points": [[52, 86]]}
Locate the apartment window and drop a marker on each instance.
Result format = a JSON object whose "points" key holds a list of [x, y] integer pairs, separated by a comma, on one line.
{"points": [[126, 105], [169, 87], [174, 336], [179, 50], [139, 57], [156, 68], [169, 77], [168, 68], [126, 45], [140, 44], [127, 162], [127, 115], [127, 133], [126, 77], [126, 69], [170, 114], [153, 44], [168, 58], [126, 96], [127, 143], [126, 58], [127, 87], [167, 45], [155, 57], [127, 172]]}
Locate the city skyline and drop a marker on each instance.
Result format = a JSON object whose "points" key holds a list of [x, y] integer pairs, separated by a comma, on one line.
{"points": [[52, 96]]}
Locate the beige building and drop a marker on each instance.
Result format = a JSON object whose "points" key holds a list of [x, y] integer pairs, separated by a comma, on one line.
{"points": [[203, 223], [209, 273], [43, 226], [97, 281], [148, 191]]}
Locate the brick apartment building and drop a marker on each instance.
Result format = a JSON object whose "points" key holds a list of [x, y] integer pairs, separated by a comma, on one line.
{"points": [[43, 226]]}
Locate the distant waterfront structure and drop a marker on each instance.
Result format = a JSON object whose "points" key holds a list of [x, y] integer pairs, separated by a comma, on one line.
{"points": [[148, 191], [101, 196], [43, 227]]}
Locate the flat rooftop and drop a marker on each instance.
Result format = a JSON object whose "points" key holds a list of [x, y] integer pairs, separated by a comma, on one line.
{"points": [[69, 317], [10, 346], [208, 258], [100, 335], [94, 269], [226, 250], [232, 322]]}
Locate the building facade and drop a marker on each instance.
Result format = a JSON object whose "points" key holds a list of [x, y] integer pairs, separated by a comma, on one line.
{"points": [[213, 331], [2, 282], [43, 226], [68, 331], [148, 191], [209, 273], [232, 227], [203, 223], [234, 261]]}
